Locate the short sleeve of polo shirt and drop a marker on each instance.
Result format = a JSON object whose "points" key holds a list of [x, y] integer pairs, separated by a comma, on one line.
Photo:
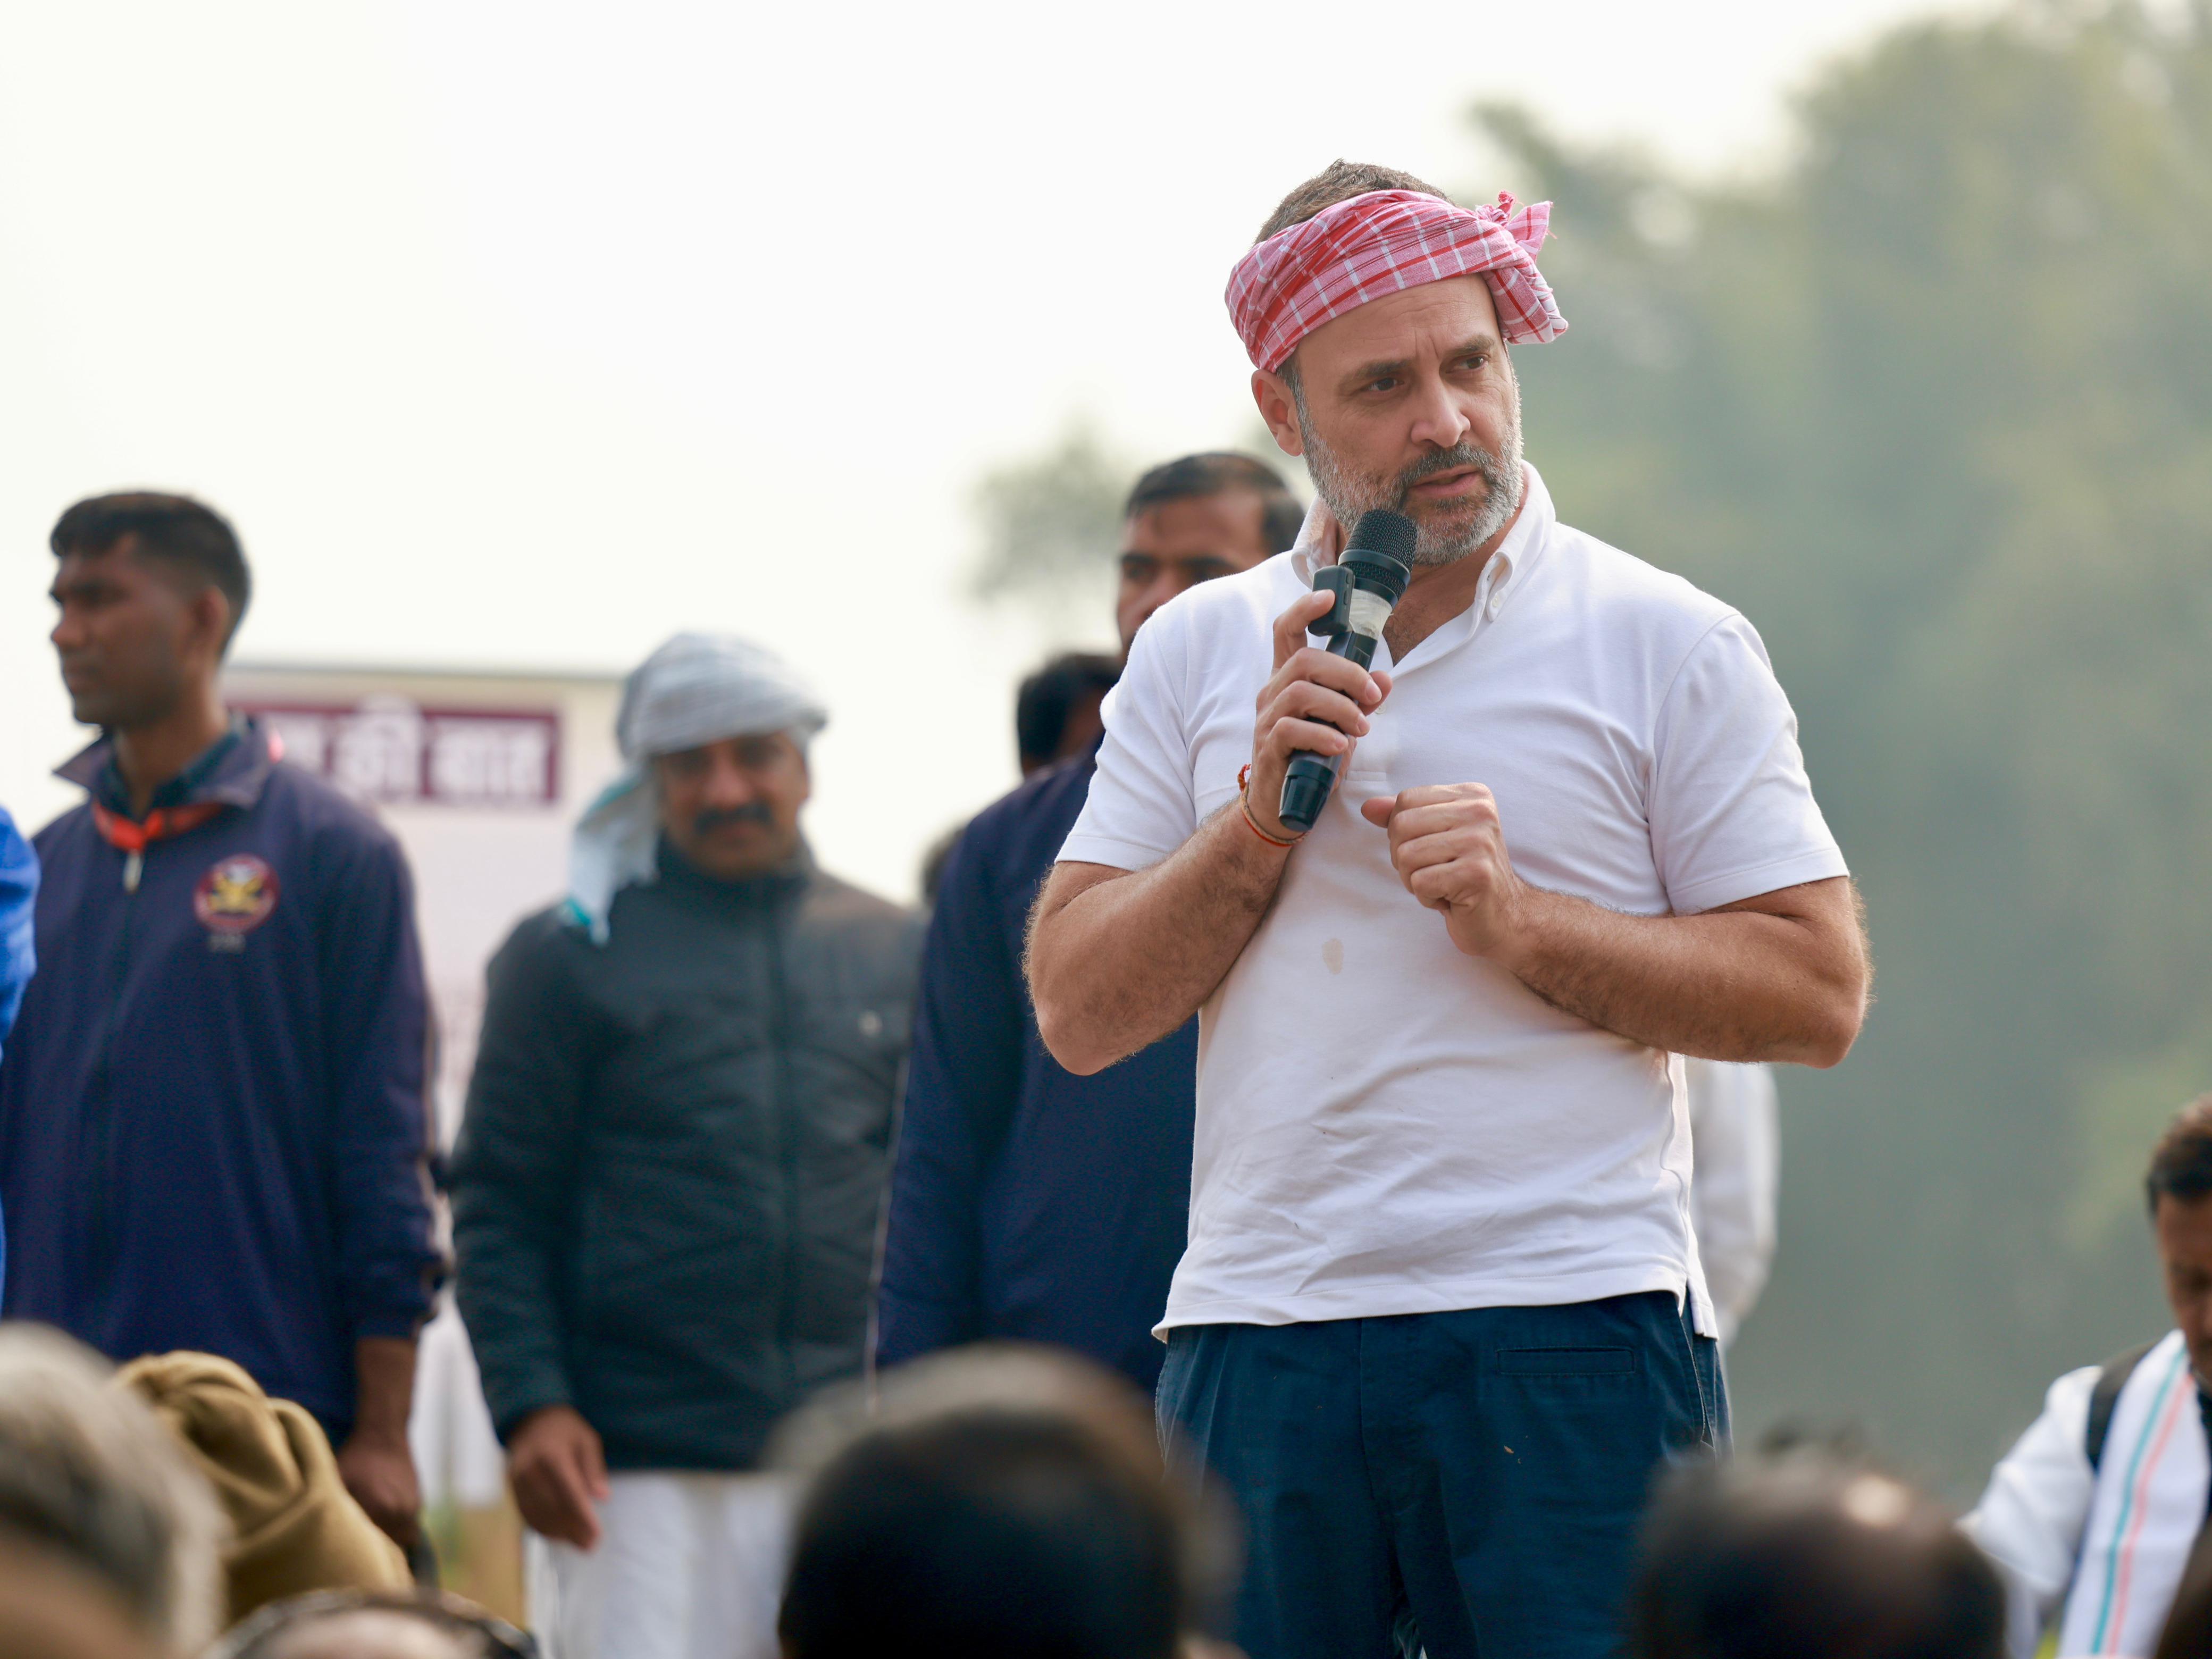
{"points": [[1732, 811], [1140, 807]]}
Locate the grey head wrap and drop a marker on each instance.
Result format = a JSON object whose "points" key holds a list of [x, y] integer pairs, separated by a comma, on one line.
{"points": [[697, 688]]}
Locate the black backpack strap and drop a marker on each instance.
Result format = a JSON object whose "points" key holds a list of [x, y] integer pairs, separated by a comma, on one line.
{"points": [[2107, 1395]]}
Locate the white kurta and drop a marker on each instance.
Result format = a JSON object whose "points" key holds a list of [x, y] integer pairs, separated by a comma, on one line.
{"points": [[1735, 1142], [689, 1566], [2110, 1543]]}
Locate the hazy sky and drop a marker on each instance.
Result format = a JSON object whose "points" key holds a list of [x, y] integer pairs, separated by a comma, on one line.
{"points": [[526, 335]]}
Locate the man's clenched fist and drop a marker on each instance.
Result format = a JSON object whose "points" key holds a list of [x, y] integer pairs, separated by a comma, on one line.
{"points": [[1448, 849], [559, 1474]]}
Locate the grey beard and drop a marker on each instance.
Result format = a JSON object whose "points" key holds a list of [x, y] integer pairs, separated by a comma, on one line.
{"points": [[1348, 496]]}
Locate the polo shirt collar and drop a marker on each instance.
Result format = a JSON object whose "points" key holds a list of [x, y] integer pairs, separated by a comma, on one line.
{"points": [[1521, 551], [1507, 573]]}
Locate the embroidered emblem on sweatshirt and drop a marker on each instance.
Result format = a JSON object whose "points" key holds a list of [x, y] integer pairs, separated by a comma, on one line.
{"points": [[234, 898]]}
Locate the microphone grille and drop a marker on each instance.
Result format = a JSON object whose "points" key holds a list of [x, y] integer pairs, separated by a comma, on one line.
{"points": [[1391, 534]]}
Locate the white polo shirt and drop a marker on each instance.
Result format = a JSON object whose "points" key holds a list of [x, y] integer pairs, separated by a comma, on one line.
{"points": [[1386, 1126]]}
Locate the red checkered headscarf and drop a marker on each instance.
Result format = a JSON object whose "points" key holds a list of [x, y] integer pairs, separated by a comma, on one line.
{"points": [[1388, 240]]}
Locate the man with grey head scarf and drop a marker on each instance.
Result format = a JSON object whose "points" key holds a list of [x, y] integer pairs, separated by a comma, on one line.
{"points": [[667, 1182]]}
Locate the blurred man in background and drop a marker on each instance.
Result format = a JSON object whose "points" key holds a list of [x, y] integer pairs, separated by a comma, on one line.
{"points": [[1806, 1556], [2093, 1515], [213, 1129], [669, 1177], [1056, 714], [1057, 718], [1027, 1201]]}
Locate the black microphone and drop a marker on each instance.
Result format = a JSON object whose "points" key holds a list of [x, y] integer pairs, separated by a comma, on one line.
{"points": [[1368, 581]]}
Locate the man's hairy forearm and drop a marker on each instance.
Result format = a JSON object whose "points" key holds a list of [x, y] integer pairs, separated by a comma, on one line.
{"points": [[1781, 978], [1118, 959]]}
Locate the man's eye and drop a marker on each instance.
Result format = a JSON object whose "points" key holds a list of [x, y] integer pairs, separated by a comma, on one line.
{"points": [[1383, 383]]}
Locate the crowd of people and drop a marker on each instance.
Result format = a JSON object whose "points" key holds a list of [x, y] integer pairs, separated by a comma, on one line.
{"points": [[1175, 1237]]}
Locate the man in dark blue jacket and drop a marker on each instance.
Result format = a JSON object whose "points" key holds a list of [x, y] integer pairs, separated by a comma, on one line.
{"points": [[1028, 1202], [213, 1132]]}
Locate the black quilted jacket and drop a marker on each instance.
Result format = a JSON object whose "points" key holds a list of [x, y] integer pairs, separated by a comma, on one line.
{"points": [[668, 1181]]}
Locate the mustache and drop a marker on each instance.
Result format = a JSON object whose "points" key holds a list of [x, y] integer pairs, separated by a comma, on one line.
{"points": [[1461, 455], [715, 817]]}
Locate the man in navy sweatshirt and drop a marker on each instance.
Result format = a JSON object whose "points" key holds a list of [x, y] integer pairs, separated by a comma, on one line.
{"points": [[1026, 1201], [213, 1132]]}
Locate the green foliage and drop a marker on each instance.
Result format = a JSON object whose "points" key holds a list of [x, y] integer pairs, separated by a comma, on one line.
{"points": [[1933, 407], [2124, 1107]]}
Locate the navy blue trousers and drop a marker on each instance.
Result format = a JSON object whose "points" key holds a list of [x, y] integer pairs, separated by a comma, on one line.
{"points": [[1466, 1482]]}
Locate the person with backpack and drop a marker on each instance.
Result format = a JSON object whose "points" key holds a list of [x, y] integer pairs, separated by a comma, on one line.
{"points": [[2093, 1515]]}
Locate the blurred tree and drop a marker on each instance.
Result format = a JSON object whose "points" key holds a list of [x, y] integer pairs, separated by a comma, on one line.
{"points": [[1934, 406], [1052, 525], [1051, 522]]}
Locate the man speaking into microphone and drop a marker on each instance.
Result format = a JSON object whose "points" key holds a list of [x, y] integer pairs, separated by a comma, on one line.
{"points": [[1440, 1311]]}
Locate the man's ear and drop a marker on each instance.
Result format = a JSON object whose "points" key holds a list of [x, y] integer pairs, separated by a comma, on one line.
{"points": [[211, 621], [1280, 409]]}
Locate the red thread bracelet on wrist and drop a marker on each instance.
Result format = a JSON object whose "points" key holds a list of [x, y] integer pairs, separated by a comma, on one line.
{"points": [[1244, 805]]}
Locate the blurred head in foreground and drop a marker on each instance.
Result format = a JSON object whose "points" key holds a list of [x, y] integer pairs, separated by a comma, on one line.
{"points": [[92, 1483], [1808, 1556], [52, 1607], [1001, 1501], [2179, 1189], [373, 1625]]}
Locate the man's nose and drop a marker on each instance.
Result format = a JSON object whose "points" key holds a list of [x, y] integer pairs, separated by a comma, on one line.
{"points": [[1438, 421], [728, 784]]}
